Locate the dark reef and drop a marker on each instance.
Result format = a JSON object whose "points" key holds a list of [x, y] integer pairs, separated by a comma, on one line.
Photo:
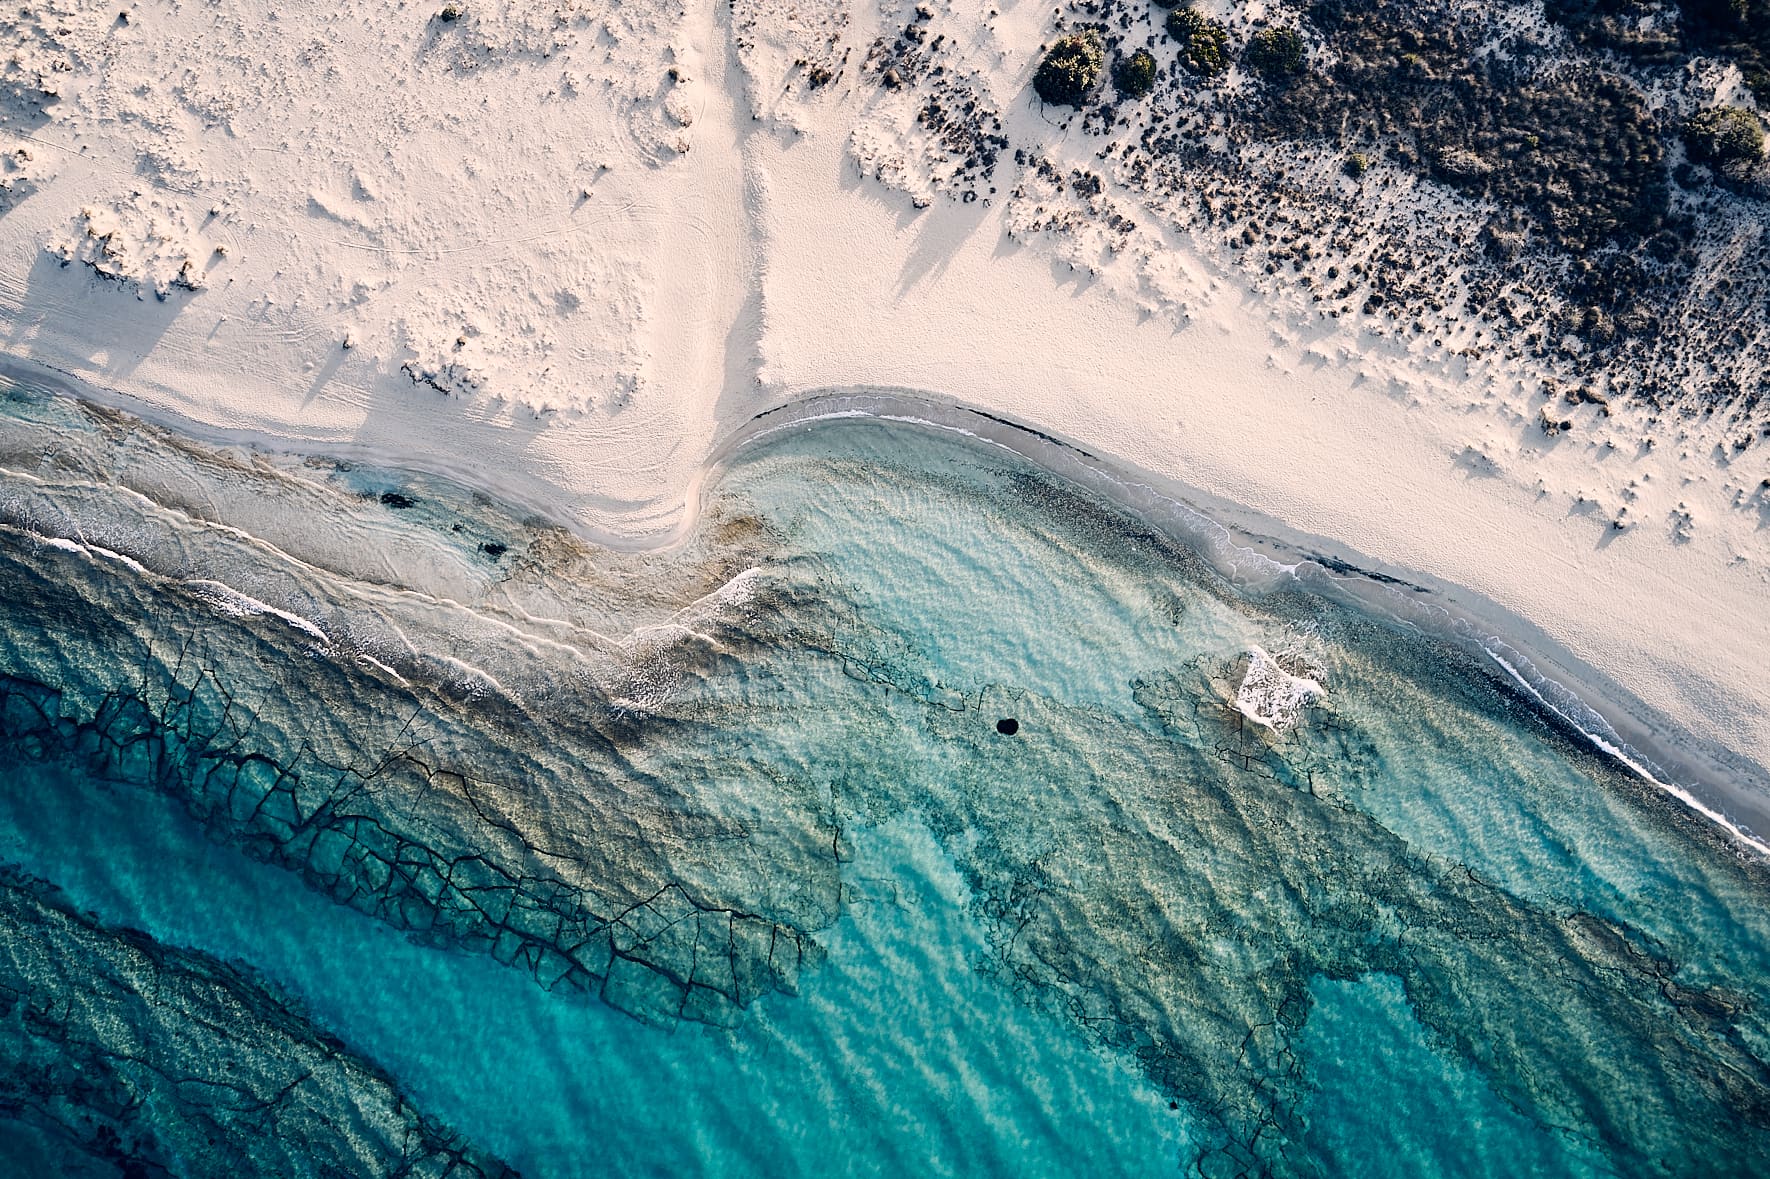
{"points": [[579, 872], [144, 1060], [667, 829]]}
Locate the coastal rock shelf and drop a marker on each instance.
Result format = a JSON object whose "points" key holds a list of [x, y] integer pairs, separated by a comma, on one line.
{"points": [[1194, 877], [919, 804], [149, 1060], [579, 901], [1210, 987], [434, 800]]}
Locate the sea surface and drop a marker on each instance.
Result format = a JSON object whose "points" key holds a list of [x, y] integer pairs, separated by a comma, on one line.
{"points": [[916, 813]]}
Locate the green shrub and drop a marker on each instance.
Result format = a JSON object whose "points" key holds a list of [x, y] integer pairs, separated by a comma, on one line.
{"points": [[1355, 164], [1276, 53], [1070, 70], [1579, 150], [1204, 44], [1724, 136], [1135, 75]]}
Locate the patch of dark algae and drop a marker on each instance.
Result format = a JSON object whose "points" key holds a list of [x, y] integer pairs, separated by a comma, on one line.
{"points": [[149, 1060]]}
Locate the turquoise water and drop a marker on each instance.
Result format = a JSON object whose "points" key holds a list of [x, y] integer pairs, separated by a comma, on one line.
{"points": [[716, 861], [877, 1072]]}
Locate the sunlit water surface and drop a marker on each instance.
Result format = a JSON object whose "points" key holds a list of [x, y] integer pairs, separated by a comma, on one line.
{"points": [[1409, 928]]}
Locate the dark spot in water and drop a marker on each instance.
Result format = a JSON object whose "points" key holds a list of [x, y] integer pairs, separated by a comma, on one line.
{"points": [[493, 549], [398, 502], [1007, 726]]}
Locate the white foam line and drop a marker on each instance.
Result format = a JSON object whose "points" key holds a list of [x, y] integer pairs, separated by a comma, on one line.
{"points": [[233, 602], [470, 671], [365, 657], [513, 608], [1641, 771], [217, 593], [120, 558], [358, 589], [735, 592], [86, 550], [648, 636], [228, 599]]}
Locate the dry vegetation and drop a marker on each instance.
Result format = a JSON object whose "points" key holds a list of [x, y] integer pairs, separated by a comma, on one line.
{"points": [[1586, 193]]}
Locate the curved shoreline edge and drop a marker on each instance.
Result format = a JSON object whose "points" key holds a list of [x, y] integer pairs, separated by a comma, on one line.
{"points": [[1251, 549], [1256, 552]]}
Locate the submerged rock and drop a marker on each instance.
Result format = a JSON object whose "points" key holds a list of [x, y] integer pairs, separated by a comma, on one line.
{"points": [[1166, 867], [159, 1061]]}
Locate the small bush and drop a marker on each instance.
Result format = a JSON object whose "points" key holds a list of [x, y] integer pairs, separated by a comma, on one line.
{"points": [[450, 14], [1726, 137], [1135, 75], [1070, 70], [1204, 44], [1276, 53], [1355, 164]]}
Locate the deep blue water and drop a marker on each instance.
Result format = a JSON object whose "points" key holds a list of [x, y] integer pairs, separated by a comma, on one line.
{"points": [[769, 893]]}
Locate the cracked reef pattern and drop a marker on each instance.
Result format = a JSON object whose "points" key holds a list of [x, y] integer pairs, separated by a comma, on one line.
{"points": [[667, 780], [527, 828], [158, 1061]]}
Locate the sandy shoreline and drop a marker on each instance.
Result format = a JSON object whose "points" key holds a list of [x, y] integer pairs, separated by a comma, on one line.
{"points": [[568, 267], [1252, 549], [1256, 551]]}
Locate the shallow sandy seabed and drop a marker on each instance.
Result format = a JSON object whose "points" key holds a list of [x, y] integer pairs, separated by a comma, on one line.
{"points": [[564, 253]]}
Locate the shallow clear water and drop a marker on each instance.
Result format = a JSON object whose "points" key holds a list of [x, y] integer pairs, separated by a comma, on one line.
{"points": [[877, 1071], [715, 861]]}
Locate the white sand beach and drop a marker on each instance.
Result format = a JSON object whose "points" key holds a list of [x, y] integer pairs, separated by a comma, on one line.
{"points": [[563, 252]]}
